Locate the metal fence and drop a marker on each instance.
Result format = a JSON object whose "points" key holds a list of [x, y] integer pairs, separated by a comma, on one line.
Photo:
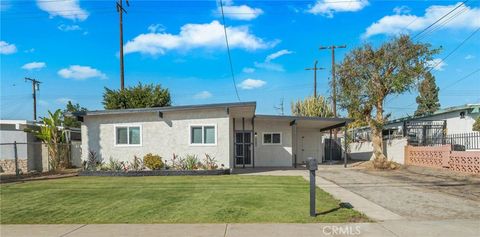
{"points": [[459, 141]]}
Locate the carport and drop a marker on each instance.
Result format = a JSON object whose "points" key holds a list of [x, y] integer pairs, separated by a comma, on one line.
{"points": [[307, 134]]}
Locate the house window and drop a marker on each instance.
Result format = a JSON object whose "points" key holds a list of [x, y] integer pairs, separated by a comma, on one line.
{"points": [[128, 135], [272, 138], [203, 134]]}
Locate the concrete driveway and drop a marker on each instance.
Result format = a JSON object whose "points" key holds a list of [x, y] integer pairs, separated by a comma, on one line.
{"points": [[413, 193]]}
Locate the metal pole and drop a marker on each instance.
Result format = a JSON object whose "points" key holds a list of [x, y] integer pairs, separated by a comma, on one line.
{"points": [[34, 101], [315, 79], [312, 193], [121, 46], [17, 171], [331, 148], [346, 147]]}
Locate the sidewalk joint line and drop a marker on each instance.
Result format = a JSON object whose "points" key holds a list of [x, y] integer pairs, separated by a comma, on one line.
{"points": [[225, 233], [73, 230]]}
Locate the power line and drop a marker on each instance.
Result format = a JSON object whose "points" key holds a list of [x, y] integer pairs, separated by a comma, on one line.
{"points": [[463, 78], [455, 49], [428, 27], [228, 52]]}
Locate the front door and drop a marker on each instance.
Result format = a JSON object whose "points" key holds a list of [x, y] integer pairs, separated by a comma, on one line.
{"points": [[243, 148]]}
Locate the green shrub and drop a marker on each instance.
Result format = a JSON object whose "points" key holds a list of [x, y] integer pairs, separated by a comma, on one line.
{"points": [[153, 162], [191, 162], [115, 165], [209, 163]]}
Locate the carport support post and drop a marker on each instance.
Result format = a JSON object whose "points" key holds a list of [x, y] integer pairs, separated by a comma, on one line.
{"points": [[331, 148]]}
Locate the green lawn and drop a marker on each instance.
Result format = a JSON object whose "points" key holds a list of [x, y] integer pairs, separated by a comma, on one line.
{"points": [[207, 199]]}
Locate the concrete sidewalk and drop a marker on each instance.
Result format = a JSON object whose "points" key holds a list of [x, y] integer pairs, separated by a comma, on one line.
{"points": [[464, 228]]}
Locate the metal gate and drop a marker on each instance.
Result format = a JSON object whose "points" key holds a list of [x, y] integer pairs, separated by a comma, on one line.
{"points": [[333, 149], [424, 133]]}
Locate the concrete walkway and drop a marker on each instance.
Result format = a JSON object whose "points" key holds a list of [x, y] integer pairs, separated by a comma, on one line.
{"points": [[463, 228]]}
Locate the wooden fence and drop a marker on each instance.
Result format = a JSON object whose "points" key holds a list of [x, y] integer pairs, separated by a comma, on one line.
{"points": [[443, 157]]}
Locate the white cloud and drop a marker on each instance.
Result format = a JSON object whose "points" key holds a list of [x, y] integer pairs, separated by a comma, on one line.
{"points": [[329, 7], [34, 65], [209, 35], [63, 100], [395, 24], [401, 10], [6, 48], [156, 28], [437, 63], [249, 84], [242, 12], [203, 95], [270, 66], [69, 9], [248, 70], [277, 55], [468, 57], [78, 72], [64, 27], [267, 64]]}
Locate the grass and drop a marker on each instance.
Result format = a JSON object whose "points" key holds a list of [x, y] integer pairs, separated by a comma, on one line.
{"points": [[187, 199]]}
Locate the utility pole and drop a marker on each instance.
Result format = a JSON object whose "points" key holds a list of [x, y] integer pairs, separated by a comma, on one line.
{"points": [[120, 11], [315, 69], [334, 86], [35, 87]]}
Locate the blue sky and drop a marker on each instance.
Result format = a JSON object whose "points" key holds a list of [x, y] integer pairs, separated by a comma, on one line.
{"points": [[72, 47]]}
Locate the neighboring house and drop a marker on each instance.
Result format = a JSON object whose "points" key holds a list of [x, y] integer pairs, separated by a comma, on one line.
{"points": [[451, 125], [30, 152], [231, 132], [451, 120], [457, 119]]}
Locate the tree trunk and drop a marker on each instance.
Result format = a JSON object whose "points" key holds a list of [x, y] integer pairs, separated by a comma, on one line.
{"points": [[380, 160]]}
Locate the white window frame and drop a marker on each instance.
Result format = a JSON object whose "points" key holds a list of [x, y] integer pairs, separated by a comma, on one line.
{"points": [[128, 134], [203, 134], [272, 144]]}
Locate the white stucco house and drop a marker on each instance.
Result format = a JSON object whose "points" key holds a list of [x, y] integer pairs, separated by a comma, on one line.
{"points": [[231, 132]]}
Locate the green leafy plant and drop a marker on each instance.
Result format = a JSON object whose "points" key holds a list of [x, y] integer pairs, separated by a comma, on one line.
{"points": [[139, 96], [92, 161], [209, 163], [178, 163], [476, 125], [54, 138], [191, 162], [368, 75], [153, 162], [115, 165], [136, 164], [312, 107]]}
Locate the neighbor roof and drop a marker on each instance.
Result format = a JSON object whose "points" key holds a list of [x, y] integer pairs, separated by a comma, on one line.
{"points": [[166, 108], [474, 108]]}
